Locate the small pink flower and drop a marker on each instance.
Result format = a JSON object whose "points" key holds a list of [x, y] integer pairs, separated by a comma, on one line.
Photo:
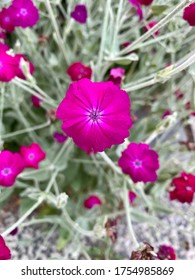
{"points": [[8, 67], [59, 137], [95, 114], [6, 19], [11, 165], [116, 75], [36, 101], [5, 253], [32, 155], [132, 196], [3, 47], [78, 71], [145, 2], [189, 13], [139, 11], [179, 94], [139, 162], [192, 114], [25, 13], [150, 25], [92, 201], [2, 34], [166, 113], [80, 14], [20, 73], [166, 253], [183, 188]]}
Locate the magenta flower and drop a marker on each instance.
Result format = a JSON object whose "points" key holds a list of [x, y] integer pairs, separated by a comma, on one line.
{"points": [[189, 13], [6, 19], [20, 73], [59, 137], [179, 94], [2, 34], [166, 253], [5, 253], [78, 71], [95, 114], [3, 47], [11, 165], [132, 196], [8, 67], [14, 231], [25, 13], [145, 2], [183, 188], [139, 162], [166, 113], [150, 25], [79, 14], [136, 4], [92, 201], [116, 75], [36, 101], [32, 155]]}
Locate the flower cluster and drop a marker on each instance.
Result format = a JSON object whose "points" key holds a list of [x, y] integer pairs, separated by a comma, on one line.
{"points": [[12, 164], [21, 13]]}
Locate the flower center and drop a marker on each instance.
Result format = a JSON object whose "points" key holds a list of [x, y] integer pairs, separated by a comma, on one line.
{"points": [[23, 12], [6, 171], [31, 156], [94, 115], [137, 163], [188, 188], [7, 19]]}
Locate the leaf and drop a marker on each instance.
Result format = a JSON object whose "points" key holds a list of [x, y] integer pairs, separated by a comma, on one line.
{"points": [[5, 194], [141, 217], [25, 204], [159, 9]]}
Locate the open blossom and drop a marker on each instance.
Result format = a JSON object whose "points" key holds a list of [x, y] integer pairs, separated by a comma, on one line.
{"points": [[116, 75], [3, 47], [11, 165], [145, 2], [91, 201], [166, 253], [5, 253], [150, 25], [32, 155], [139, 162], [79, 14], [25, 13], [183, 188], [136, 4], [59, 137], [78, 71], [20, 73], [95, 114], [6, 19], [8, 67], [189, 14]]}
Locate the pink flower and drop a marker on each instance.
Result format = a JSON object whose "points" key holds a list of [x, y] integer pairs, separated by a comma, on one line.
{"points": [[139, 162], [3, 47], [8, 67], [80, 14], [36, 101], [166, 113], [132, 196], [78, 71], [116, 75], [166, 253], [25, 14], [20, 73], [11, 164], [145, 2], [189, 13], [150, 25], [2, 34], [6, 19], [95, 114], [5, 253], [183, 188], [92, 201], [32, 155], [179, 94], [136, 4], [14, 231], [59, 137]]}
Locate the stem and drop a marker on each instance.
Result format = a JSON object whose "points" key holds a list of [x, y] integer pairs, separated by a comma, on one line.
{"points": [[1, 114], [128, 216], [116, 29], [110, 163]]}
